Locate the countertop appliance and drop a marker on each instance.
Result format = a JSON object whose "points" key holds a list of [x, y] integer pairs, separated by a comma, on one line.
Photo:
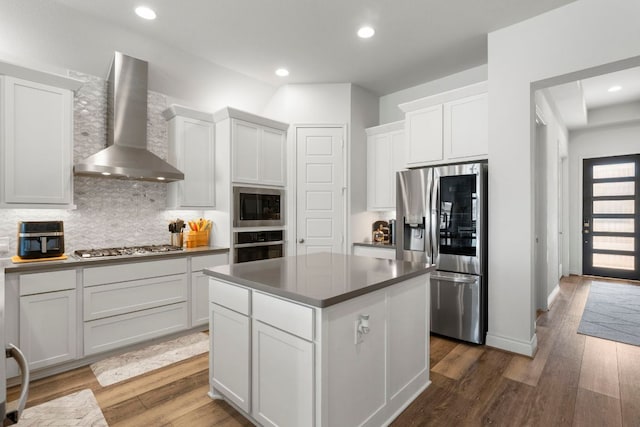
{"points": [[10, 411], [257, 245], [40, 239], [126, 250], [442, 219], [258, 207]]}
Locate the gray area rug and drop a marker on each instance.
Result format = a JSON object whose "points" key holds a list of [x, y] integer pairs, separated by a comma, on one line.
{"points": [[78, 409], [612, 312], [128, 365]]}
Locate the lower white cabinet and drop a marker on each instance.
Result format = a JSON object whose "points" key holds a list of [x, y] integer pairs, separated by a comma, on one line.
{"points": [[48, 317], [230, 340], [282, 377], [200, 286], [48, 328], [375, 251]]}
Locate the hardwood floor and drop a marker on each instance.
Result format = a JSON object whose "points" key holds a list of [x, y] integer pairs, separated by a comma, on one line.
{"points": [[573, 380]]}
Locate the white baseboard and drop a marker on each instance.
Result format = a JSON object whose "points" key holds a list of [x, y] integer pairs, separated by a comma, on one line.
{"points": [[526, 348], [552, 296]]}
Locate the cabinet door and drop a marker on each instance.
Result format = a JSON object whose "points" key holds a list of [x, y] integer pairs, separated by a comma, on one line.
{"points": [[48, 328], [424, 134], [36, 143], [272, 158], [466, 127], [230, 341], [196, 160], [380, 173], [283, 373], [199, 299], [246, 151]]}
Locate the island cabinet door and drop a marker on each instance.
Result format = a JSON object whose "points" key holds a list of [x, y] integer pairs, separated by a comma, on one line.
{"points": [[230, 344], [282, 378]]}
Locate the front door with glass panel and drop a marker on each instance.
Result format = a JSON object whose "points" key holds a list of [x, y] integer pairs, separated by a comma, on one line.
{"points": [[611, 217]]}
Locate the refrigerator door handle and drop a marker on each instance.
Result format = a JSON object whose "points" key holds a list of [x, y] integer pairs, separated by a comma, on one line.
{"points": [[435, 219], [454, 279], [15, 408]]}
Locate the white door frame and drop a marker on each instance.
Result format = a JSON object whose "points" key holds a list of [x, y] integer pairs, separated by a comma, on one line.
{"points": [[292, 187]]}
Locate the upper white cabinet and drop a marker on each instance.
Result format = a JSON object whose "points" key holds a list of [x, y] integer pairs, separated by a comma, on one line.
{"points": [[386, 155], [448, 127], [191, 150], [257, 144], [36, 142]]}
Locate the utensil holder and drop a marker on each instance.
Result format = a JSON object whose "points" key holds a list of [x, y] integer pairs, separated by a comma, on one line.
{"points": [[176, 239], [197, 238]]}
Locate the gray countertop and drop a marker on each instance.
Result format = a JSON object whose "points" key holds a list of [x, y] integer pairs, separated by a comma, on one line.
{"points": [[320, 279], [73, 261]]}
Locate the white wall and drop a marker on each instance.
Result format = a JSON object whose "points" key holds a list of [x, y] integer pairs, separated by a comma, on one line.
{"points": [[556, 148], [578, 36], [389, 111], [613, 140], [47, 35]]}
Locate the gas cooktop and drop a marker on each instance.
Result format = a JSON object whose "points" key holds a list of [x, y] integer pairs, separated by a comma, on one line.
{"points": [[127, 250]]}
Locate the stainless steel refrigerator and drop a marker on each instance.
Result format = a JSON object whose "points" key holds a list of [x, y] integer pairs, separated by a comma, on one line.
{"points": [[442, 219]]}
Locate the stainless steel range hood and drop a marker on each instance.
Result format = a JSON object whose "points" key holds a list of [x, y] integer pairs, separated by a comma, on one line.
{"points": [[126, 155]]}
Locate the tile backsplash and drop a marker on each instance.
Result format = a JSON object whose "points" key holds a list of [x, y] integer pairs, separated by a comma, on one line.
{"points": [[110, 212]]}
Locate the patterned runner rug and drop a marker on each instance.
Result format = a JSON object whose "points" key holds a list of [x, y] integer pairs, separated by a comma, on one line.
{"points": [[77, 409], [128, 365], [612, 312]]}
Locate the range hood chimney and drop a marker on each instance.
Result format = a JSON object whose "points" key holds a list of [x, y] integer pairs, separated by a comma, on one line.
{"points": [[126, 155]]}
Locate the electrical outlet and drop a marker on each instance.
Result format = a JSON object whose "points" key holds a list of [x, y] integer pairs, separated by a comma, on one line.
{"points": [[4, 245]]}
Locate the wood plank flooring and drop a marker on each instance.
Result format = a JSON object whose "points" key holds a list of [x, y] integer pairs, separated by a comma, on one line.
{"points": [[574, 380]]}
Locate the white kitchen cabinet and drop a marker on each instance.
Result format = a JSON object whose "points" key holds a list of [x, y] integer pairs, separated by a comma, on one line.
{"points": [[48, 317], [385, 156], [36, 144], [375, 251], [257, 146], [448, 127], [200, 286], [191, 150], [230, 341], [282, 377]]}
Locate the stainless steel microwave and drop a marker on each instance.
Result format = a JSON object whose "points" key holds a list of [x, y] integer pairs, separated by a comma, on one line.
{"points": [[257, 207]]}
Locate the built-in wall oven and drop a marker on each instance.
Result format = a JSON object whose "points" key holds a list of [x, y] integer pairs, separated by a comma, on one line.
{"points": [[258, 207], [257, 245]]}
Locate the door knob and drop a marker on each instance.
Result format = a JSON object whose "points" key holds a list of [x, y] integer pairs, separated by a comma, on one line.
{"points": [[301, 241]]}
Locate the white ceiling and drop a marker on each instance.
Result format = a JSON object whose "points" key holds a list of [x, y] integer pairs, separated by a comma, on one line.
{"points": [[415, 41], [575, 100]]}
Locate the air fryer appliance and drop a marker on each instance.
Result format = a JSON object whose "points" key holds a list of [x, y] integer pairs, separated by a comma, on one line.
{"points": [[442, 220], [40, 239]]}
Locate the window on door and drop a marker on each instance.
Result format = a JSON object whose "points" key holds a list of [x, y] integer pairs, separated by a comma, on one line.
{"points": [[611, 223]]}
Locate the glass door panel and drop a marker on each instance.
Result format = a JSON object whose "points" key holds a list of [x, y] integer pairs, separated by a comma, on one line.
{"points": [[611, 217], [458, 215]]}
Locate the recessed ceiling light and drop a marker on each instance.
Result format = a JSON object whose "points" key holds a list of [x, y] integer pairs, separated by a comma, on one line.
{"points": [[145, 12], [366, 32], [615, 88], [106, 173], [282, 72]]}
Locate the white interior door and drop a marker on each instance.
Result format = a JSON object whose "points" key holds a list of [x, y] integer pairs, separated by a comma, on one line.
{"points": [[320, 190]]}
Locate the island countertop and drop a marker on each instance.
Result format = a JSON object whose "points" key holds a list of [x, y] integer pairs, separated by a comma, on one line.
{"points": [[321, 279]]}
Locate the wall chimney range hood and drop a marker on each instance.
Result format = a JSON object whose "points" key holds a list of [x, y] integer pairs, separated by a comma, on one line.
{"points": [[126, 155]]}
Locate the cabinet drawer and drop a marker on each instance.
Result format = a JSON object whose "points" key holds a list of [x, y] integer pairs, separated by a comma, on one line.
{"points": [[119, 331], [134, 271], [288, 316], [119, 298], [230, 296], [201, 262], [38, 283]]}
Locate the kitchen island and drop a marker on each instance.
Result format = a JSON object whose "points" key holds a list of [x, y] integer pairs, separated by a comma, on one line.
{"points": [[319, 340]]}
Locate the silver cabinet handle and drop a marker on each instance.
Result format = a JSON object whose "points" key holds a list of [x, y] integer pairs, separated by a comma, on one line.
{"points": [[301, 241], [13, 414]]}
